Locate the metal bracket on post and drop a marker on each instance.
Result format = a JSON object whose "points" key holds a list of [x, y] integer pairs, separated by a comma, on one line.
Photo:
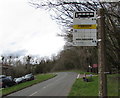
{"points": [[98, 17], [99, 40]]}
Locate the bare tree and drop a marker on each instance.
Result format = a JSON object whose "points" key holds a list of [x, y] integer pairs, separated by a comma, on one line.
{"points": [[62, 12], [3, 59]]}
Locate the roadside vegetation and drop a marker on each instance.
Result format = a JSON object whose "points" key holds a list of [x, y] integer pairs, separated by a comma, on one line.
{"points": [[113, 84], [81, 88], [83, 72], [38, 78], [81, 58], [70, 57]]}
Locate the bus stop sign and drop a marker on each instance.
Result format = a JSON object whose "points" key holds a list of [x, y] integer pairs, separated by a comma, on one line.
{"points": [[84, 29]]}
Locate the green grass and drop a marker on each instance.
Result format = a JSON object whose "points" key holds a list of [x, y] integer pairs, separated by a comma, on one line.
{"points": [[38, 78], [112, 85], [81, 88], [78, 71], [82, 72]]}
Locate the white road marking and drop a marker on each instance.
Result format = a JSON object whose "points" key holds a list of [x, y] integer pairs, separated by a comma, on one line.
{"points": [[33, 94], [1, 88], [49, 84], [44, 87], [61, 77], [55, 81], [78, 76]]}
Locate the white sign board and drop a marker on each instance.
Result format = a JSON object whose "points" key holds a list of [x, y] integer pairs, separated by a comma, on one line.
{"points": [[84, 29]]}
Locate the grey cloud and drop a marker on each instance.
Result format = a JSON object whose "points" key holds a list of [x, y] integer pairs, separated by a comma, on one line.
{"points": [[15, 53], [13, 43]]}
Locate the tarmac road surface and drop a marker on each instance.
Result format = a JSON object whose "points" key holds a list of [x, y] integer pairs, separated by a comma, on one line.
{"points": [[57, 86]]}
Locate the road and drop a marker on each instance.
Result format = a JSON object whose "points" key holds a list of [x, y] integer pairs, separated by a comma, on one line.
{"points": [[57, 86]]}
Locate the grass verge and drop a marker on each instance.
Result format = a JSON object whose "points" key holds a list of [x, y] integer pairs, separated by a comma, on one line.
{"points": [[38, 78], [113, 84], [78, 71], [82, 72], [81, 88]]}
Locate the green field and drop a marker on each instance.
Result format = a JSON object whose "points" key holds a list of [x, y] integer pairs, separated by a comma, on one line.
{"points": [[38, 78], [81, 88], [82, 72], [78, 71]]}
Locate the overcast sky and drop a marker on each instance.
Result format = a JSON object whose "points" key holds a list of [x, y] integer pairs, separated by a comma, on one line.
{"points": [[25, 30]]}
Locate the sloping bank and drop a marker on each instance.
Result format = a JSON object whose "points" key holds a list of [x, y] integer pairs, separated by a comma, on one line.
{"points": [[82, 88]]}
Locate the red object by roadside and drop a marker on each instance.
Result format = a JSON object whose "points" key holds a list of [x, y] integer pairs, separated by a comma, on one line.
{"points": [[95, 65]]}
